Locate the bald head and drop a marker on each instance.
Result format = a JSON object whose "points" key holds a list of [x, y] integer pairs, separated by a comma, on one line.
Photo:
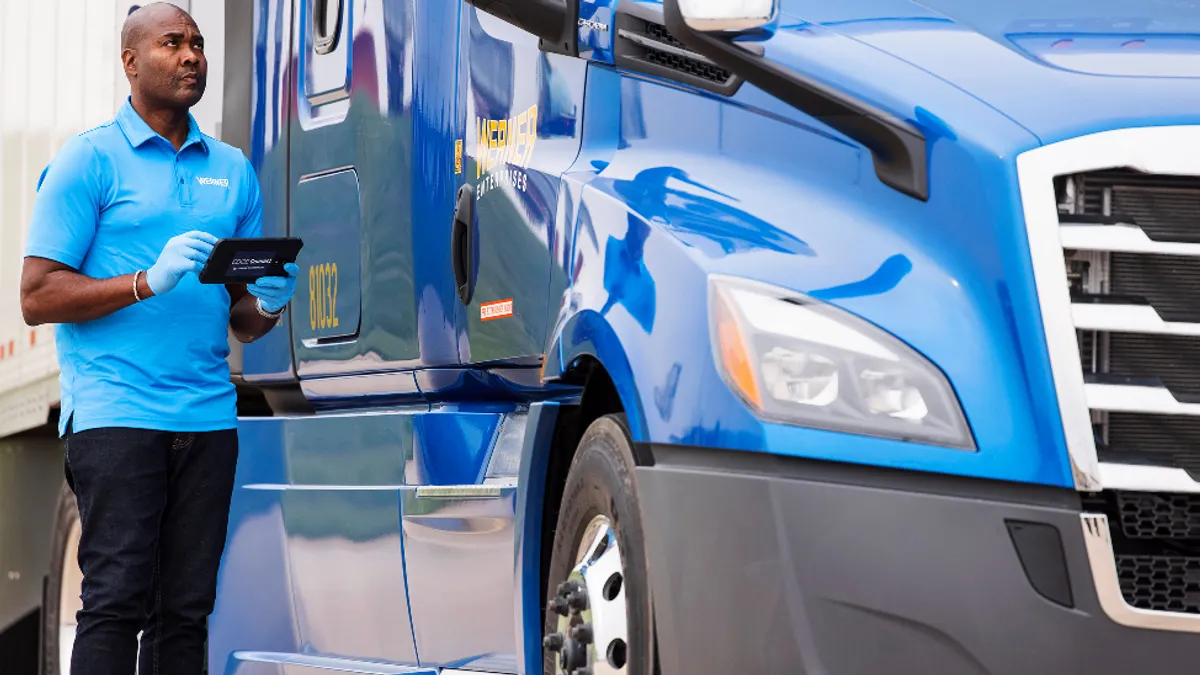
{"points": [[163, 53], [147, 17]]}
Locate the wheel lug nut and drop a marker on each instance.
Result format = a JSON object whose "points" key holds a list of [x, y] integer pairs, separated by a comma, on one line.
{"points": [[578, 600], [568, 587], [559, 606], [582, 633], [554, 642]]}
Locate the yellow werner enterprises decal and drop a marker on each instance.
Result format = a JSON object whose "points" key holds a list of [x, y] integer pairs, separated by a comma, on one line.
{"points": [[505, 143]]}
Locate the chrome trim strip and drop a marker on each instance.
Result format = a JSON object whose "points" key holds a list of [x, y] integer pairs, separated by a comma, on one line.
{"points": [[322, 488], [1128, 319], [1144, 478], [1098, 540], [401, 383], [491, 491], [1124, 238], [329, 663], [1164, 149], [328, 172], [1129, 398]]}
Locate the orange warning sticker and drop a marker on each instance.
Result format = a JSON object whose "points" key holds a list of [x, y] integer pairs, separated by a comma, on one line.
{"points": [[458, 148], [499, 309]]}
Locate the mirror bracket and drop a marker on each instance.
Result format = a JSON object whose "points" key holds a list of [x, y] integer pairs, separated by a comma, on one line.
{"points": [[899, 149]]}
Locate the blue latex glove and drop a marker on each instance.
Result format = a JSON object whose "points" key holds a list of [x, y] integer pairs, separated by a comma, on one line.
{"points": [[185, 253], [275, 292]]}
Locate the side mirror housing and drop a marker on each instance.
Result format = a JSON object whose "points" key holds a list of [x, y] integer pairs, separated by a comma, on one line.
{"points": [[730, 16], [554, 21]]}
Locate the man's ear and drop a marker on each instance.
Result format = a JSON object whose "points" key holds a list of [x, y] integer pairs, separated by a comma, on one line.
{"points": [[129, 60]]}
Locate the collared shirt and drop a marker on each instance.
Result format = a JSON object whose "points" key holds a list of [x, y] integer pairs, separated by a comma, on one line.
{"points": [[106, 206]]}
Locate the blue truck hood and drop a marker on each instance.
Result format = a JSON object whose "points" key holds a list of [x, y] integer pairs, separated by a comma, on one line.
{"points": [[1058, 68]]}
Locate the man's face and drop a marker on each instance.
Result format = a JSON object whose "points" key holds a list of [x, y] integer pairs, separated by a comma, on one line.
{"points": [[168, 60]]}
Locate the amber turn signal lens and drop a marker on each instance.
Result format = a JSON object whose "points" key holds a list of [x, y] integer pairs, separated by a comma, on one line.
{"points": [[735, 353]]}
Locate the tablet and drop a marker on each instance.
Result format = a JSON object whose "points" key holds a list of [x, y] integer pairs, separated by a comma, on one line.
{"points": [[242, 261]]}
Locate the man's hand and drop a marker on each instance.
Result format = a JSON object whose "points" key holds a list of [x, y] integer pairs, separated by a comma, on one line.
{"points": [[274, 293], [185, 253]]}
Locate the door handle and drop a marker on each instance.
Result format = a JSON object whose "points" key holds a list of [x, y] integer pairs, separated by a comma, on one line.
{"points": [[462, 244]]}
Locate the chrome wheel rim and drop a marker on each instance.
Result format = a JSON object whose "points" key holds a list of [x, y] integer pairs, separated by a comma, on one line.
{"points": [[592, 628], [69, 598]]}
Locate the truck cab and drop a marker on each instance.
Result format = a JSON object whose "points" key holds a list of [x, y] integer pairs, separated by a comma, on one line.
{"points": [[687, 336], [707, 337]]}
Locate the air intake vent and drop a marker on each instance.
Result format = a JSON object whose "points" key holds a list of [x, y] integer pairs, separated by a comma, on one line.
{"points": [[1164, 207], [1162, 440], [1160, 583], [1168, 283], [644, 45], [1155, 538]]}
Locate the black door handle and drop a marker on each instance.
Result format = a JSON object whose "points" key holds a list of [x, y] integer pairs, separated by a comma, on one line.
{"points": [[462, 244]]}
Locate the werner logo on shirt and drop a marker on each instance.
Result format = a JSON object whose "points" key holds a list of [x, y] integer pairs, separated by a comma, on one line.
{"points": [[219, 182]]}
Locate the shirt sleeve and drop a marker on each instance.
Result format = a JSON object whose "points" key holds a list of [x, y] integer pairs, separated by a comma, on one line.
{"points": [[66, 210], [250, 225]]}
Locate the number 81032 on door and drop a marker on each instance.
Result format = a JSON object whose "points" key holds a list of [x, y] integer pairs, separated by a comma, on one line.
{"points": [[322, 296]]}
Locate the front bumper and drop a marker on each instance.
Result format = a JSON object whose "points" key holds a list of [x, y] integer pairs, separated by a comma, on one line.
{"points": [[761, 564]]}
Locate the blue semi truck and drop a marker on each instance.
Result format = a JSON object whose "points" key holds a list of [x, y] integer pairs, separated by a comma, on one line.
{"points": [[720, 337]]}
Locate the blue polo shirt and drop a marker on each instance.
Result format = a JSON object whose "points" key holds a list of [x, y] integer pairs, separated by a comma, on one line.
{"points": [[106, 206]]}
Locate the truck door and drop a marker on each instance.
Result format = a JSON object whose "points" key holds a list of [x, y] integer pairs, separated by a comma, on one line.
{"points": [[351, 178], [521, 132], [350, 182]]}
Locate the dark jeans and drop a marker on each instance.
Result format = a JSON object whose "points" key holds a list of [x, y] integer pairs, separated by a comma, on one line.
{"points": [[154, 507]]}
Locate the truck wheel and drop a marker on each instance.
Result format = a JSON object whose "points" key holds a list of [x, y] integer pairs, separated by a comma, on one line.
{"points": [[599, 617], [63, 588]]}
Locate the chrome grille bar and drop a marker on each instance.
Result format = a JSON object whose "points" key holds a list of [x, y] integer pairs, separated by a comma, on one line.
{"points": [[1122, 237], [1128, 318], [1128, 398]]}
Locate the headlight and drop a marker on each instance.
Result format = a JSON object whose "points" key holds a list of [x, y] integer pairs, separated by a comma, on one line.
{"points": [[800, 361]]}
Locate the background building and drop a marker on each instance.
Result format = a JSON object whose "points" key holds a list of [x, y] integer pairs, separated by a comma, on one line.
{"points": [[60, 74]]}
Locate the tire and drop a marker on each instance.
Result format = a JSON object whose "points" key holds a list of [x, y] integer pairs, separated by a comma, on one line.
{"points": [[600, 485], [63, 587]]}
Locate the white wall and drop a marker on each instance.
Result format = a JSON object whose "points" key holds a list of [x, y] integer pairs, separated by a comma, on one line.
{"points": [[60, 74], [210, 17]]}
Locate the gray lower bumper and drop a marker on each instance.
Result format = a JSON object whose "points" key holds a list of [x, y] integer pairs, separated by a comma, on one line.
{"points": [[767, 565]]}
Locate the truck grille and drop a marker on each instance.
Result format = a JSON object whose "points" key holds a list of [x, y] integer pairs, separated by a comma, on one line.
{"points": [[1131, 243], [1113, 225], [1137, 312]]}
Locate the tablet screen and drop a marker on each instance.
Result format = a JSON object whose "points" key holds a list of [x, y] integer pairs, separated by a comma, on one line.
{"points": [[242, 261], [251, 264]]}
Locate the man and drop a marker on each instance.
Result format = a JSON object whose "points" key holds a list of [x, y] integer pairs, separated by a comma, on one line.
{"points": [[126, 215]]}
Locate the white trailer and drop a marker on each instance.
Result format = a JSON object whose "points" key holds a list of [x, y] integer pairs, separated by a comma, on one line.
{"points": [[60, 74]]}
